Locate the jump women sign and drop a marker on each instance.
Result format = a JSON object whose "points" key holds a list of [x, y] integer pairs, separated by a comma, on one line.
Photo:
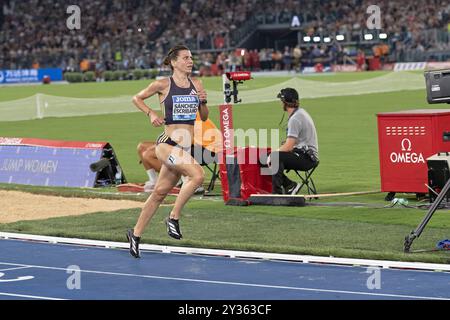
{"points": [[53, 162]]}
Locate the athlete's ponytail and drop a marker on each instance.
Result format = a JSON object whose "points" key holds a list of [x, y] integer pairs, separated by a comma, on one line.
{"points": [[173, 54]]}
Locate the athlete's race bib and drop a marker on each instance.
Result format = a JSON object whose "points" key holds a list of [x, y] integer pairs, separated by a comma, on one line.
{"points": [[184, 107]]}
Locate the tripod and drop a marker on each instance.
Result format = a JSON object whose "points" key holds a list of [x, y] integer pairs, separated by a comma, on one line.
{"points": [[418, 231]]}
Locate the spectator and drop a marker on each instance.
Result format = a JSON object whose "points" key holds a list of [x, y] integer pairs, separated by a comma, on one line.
{"points": [[287, 59], [110, 29], [360, 60], [297, 54]]}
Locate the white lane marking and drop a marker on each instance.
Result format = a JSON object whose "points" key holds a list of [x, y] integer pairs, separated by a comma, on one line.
{"points": [[23, 278], [17, 268], [28, 296]]}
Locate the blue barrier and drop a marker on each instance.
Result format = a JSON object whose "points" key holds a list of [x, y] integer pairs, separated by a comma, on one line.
{"points": [[30, 75], [57, 163]]}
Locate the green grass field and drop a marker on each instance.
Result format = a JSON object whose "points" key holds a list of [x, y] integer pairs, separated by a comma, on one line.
{"points": [[348, 145]]}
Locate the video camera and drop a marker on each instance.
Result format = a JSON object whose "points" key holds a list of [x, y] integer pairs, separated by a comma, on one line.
{"points": [[438, 85], [237, 78]]}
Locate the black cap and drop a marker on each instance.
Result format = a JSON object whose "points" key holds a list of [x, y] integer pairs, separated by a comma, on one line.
{"points": [[288, 95]]}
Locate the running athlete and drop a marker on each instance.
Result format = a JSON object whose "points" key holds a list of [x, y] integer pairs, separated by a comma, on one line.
{"points": [[181, 98], [207, 139]]}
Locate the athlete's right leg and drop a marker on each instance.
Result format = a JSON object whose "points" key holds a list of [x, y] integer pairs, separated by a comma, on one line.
{"points": [[183, 163], [166, 181]]}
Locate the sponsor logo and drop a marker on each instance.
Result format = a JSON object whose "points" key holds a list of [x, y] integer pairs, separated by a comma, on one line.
{"points": [[94, 145], [10, 141], [406, 155], [185, 107], [409, 66], [344, 68], [227, 129]]}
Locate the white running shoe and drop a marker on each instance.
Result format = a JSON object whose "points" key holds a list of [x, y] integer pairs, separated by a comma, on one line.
{"points": [[199, 190], [149, 186]]}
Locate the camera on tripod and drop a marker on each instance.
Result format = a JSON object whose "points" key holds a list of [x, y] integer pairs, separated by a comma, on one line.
{"points": [[237, 78]]}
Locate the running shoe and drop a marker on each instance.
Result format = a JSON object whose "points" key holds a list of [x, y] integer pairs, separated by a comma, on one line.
{"points": [[134, 243], [173, 228]]}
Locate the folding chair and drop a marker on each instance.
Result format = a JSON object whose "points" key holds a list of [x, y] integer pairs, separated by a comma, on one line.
{"points": [[214, 172], [307, 180]]}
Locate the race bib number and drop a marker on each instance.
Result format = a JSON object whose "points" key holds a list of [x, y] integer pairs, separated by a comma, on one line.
{"points": [[185, 107]]}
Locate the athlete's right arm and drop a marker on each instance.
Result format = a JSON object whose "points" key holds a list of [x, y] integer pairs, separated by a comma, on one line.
{"points": [[138, 100]]}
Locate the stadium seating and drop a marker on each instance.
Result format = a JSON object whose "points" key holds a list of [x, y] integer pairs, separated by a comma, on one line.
{"points": [[130, 34]]}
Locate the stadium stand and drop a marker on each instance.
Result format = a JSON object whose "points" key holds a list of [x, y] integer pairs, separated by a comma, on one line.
{"points": [[134, 34]]}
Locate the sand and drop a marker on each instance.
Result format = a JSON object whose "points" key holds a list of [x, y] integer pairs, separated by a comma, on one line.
{"points": [[17, 206]]}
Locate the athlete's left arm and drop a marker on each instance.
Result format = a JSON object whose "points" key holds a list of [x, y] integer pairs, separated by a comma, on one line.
{"points": [[203, 108]]}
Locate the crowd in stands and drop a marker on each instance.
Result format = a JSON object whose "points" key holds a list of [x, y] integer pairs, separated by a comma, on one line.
{"points": [[35, 31], [129, 34], [116, 33], [291, 59], [405, 21]]}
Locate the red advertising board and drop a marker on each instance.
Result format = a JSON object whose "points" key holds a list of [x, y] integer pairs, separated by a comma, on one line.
{"points": [[240, 168], [406, 139], [242, 176], [226, 126]]}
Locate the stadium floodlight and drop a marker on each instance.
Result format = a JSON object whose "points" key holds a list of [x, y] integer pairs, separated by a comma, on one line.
{"points": [[307, 39], [368, 36], [316, 39], [382, 36], [340, 37], [327, 39]]}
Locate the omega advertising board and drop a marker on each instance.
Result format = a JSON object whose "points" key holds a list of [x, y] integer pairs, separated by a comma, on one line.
{"points": [[406, 139]]}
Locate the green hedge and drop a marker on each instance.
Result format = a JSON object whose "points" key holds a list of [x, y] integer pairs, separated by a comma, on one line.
{"points": [[146, 73], [89, 76], [119, 75], [138, 74], [73, 76], [108, 75], [153, 73]]}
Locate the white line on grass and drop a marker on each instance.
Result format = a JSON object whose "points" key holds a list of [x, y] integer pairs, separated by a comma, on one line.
{"points": [[236, 283]]}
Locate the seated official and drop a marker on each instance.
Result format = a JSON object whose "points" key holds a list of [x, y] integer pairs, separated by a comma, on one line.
{"points": [[300, 151]]}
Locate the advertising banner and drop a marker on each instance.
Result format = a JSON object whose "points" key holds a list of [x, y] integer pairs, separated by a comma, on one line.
{"points": [[57, 163], [29, 75]]}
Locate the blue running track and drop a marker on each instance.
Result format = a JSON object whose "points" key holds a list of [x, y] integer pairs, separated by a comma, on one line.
{"points": [[37, 270]]}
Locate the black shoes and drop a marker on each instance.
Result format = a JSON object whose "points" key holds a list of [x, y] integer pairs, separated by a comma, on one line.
{"points": [[173, 228], [134, 243], [293, 189]]}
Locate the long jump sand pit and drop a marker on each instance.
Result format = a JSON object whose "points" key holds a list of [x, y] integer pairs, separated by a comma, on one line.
{"points": [[17, 206]]}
